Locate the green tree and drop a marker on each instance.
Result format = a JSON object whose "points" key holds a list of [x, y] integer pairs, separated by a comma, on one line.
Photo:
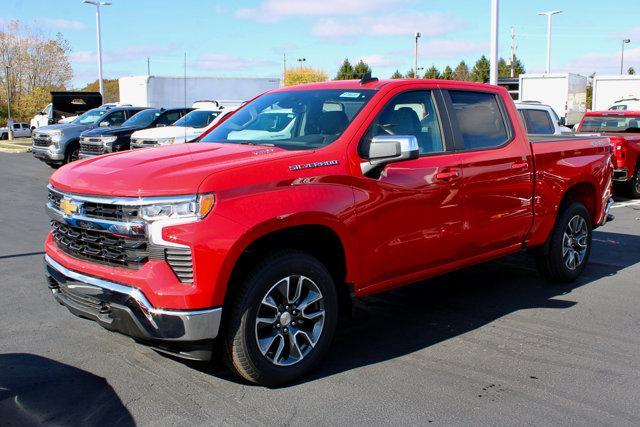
{"points": [[631, 71], [301, 75], [361, 69], [447, 73], [346, 71], [504, 70], [111, 89], [480, 71], [410, 74], [396, 75], [461, 72], [432, 73]]}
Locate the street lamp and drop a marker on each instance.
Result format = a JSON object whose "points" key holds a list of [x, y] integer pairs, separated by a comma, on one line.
{"points": [[624, 41], [97, 4], [301, 61], [9, 121], [415, 58], [549, 15]]}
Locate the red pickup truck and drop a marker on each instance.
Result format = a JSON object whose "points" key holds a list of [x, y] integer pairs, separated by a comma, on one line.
{"points": [[623, 129], [305, 197]]}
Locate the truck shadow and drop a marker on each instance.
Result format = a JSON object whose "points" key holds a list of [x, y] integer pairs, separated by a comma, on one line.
{"points": [[35, 390], [421, 315]]}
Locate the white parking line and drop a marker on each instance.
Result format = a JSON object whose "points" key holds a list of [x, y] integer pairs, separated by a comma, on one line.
{"points": [[623, 204]]}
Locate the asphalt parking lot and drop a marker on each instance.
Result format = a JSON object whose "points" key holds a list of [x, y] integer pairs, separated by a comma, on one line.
{"points": [[491, 345]]}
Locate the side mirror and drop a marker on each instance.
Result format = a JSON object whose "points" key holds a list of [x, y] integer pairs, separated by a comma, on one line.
{"points": [[104, 124], [562, 121], [386, 149]]}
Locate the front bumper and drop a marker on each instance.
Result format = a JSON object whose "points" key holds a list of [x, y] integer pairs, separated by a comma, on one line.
{"points": [[47, 154], [124, 309], [620, 175], [85, 155]]}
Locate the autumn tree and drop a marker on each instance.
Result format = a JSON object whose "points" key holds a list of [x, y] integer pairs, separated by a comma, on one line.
{"points": [[346, 71], [396, 75], [432, 73], [461, 72], [481, 70], [300, 75], [111, 90], [447, 73]]}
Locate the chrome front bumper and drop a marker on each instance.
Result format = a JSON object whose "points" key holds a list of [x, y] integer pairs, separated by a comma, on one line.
{"points": [[45, 153], [124, 309]]}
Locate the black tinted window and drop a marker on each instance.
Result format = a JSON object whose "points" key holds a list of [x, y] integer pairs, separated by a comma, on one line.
{"points": [[116, 118], [480, 119], [538, 122], [169, 117], [410, 113]]}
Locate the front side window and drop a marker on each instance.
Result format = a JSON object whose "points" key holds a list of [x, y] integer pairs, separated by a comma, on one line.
{"points": [[410, 113], [116, 118], [293, 120], [197, 119], [480, 119], [90, 117], [538, 122], [618, 107], [143, 119], [629, 124]]}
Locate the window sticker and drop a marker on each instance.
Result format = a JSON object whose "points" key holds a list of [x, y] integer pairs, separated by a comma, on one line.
{"points": [[349, 95]]}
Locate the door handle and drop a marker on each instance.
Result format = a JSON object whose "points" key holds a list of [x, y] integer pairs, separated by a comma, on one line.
{"points": [[520, 166], [448, 175]]}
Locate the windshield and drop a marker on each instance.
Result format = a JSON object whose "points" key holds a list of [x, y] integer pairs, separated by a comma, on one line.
{"points": [[293, 120], [90, 117], [611, 124], [197, 119], [142, 119]]}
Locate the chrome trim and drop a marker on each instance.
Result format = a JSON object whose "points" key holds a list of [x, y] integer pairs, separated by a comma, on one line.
{"points": [[125, 201], [152, 323], [133, 228]]}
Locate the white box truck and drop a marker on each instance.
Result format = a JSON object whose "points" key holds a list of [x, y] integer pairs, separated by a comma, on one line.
{"points": [[169, 92], [609, 89], [566, 93]]}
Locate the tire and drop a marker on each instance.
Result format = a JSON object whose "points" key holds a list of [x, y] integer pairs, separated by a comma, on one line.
{"points": [[4, 136], [569, 245], [73, 153], [280, 361], [633, 186]]}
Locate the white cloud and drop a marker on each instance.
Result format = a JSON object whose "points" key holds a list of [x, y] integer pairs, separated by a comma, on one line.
{"points": [[377, 60], [603, 62], [446, 49], [223, 61], [274, 10], [61, 24], [394, 24], [128, 53]]}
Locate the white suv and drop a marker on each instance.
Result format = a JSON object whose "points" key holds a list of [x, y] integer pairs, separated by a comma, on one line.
{"points": [[540, 119]]}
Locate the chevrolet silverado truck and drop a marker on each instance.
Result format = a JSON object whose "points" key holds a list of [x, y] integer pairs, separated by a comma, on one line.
{"points": [[260, 243], [623, 129], [95, 142]]}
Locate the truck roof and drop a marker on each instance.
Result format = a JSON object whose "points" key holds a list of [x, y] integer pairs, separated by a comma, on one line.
{"points": [[377, 84], [622, 113]]}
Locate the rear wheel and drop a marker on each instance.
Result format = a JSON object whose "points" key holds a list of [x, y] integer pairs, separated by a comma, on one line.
{"points": [[634, 184], [282, 320], [569, 245]]}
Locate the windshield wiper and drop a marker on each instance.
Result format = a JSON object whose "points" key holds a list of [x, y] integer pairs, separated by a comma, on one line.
{"points": [[264, 144]]}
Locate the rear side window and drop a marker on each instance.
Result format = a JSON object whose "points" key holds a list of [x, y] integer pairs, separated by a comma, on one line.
{"points": [[170, 117], [538, 122], [480, 119], [116, 118]]}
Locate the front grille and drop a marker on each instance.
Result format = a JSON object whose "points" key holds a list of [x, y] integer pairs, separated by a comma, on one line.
{"points": [[41, 141], [91, 148], [54, 199], [89, 304], [102, 247], [100, 210], [179, 259], [142, 143]]}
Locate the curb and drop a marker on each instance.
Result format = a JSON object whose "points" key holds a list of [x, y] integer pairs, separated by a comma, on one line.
{"points": [[14, 148]]}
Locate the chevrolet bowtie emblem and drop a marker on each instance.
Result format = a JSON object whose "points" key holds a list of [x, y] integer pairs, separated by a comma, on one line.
{"points": [[68, 206]]}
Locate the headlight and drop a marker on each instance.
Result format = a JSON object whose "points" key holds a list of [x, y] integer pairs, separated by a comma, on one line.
{"points": [[190, 207], [108, 140], [56, 136], [166, 141]]}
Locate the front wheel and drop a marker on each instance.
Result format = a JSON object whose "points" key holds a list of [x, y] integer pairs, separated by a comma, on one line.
{"points": [[73, 153], [569, 245], [282, 319]]}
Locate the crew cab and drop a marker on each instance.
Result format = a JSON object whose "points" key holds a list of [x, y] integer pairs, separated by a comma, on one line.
{"points": [[623, 129], [259, 243], [18, 130], [187, 129], [108, 140], [541, 119], [59, 144]]}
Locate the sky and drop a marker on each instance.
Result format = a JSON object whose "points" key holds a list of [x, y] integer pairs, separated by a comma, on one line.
{"points": [[248, 38]]}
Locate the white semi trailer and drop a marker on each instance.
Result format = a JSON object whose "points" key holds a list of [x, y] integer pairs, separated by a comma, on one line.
{"points": [[168, 92], [609, 89], [566, 93]]}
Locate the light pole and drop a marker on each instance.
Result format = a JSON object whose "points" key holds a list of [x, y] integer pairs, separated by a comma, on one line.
{"points": [[549, 15], [415, 57], [97, 4], [493, 64], [9, 121], [624, 41], [301, 61]]}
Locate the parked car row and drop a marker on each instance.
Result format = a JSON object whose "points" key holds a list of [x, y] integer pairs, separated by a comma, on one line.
{"points": [[110, 128]]}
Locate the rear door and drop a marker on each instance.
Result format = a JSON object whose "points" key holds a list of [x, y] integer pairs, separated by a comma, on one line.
{"points": [[497, 171], [409, 214]]}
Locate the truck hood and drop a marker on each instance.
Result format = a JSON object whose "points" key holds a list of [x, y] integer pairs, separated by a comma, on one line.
{"points": [[66, 127], [159, 171], [168, 132]]}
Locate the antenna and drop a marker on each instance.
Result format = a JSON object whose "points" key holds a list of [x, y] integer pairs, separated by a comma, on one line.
{"points": [[367, 78], [185, 92]]}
